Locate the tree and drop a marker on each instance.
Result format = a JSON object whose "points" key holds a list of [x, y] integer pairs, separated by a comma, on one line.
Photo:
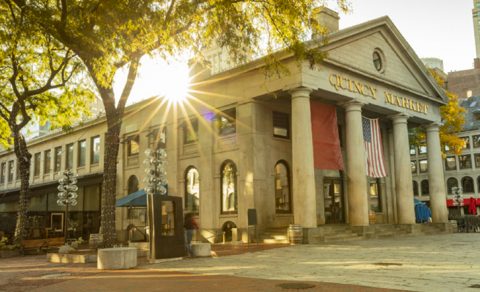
{"points": [[453, 120], [35, 70], [110, 34]]}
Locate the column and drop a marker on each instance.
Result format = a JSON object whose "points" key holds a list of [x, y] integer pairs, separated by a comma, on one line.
{"points": [[303, 176], [403, 172], [436, 179], [356, 176]]}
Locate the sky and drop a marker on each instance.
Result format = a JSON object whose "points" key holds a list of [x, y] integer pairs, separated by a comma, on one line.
{"points": [[433, 28]]}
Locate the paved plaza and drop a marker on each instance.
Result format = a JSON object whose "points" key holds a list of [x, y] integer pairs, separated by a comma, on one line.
{"points": [[448, 262]]}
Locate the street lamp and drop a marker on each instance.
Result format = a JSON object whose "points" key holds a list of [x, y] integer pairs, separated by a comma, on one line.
{"points": [[155, 168], [67, 195]]}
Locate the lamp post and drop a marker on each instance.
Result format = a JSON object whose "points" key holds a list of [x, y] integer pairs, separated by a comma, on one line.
{"points": [[155, 169], [67, 195]]}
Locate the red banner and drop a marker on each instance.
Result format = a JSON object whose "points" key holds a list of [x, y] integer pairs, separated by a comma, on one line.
{"points": [[326, 142]]}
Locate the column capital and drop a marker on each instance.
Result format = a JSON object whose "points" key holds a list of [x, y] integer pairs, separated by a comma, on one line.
{"points": [[300, 92], [399, 118], [433, 127], [352, 105]]}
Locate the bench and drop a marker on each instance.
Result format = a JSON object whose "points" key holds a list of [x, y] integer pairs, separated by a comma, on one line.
{"points": [[42, 244]]}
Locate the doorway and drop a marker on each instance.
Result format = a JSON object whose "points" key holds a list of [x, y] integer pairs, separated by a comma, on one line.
{"points": [[334, 204]]}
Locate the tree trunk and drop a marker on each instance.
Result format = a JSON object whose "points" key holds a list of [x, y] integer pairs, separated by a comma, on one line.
{"points": [[23, 159], [109, 187]]}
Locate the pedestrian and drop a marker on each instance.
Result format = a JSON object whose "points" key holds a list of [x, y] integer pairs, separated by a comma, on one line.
{"points": [[190, 227]]}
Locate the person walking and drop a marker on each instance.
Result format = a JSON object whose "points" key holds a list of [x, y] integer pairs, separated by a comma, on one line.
{"points": [[190, 227]]}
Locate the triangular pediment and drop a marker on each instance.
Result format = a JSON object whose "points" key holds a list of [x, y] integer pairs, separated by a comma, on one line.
{"points": [[352, 49]]}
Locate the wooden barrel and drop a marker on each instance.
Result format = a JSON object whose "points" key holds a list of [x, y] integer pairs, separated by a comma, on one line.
{"points": [[295, 234]]}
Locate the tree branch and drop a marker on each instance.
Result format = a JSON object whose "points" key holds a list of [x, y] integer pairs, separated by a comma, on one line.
{"points": [[132, 76]]}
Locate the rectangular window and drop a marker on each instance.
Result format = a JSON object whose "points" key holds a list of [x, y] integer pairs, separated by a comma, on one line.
{"points": [[413, 149], [69, 156], [281, 125], [450, 163], [82, 152], [226, 122], [375, 195], [10, 171], [423, 165], [422, 149], [190, 131], [57, 159], [465, 161], [95, 150], [476, 141], [17, 171], [3, 169], [133, 145], [157, 139], [477, 160], [36, 164], [47, 163], [413, 166], [466, 142]]}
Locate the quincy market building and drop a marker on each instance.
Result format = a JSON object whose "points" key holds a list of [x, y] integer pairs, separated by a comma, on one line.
{"points": [[290, 147]]}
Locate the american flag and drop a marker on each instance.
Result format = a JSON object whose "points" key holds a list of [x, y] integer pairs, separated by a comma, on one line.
{"points": [[372, 140]]}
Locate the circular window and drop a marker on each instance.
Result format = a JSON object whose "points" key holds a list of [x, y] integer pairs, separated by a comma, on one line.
{"points": [[378, 61]]}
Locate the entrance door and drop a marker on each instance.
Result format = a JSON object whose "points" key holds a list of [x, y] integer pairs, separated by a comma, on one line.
{"points": [[334, 205]]}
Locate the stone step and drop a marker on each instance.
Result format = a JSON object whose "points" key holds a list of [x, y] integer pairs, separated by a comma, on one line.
{"points": [[275, 241]]}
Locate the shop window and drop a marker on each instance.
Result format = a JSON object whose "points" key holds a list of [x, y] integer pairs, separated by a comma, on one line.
{"points": [[476, 157], [375, 194], [476, 141], [3, 170], [415, 188], [423, 165], [226, 122], [229, 187], [36, 164], [450, 163], [10, 171], [192, 190], [425, 188], [58, 159], [466, 142], [465, 161], [413, 166], [82, 152], [133, 145], [190, 131], [281, 125], [282, 188], [132, 184], [413, 149], [47, 163], [451, 183], [467, 184], [95, 150], [168, 218], [69, 156]]}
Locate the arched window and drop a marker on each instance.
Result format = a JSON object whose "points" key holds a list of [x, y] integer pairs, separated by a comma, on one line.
{"points": [[424, 186], [132, 184], [467, 184], [282, 188], [228, 185], [451, 182], [192, 190], [415, 188]]}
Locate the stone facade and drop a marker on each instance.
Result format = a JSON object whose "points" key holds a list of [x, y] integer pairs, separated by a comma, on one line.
{"points": [[245, 141]]}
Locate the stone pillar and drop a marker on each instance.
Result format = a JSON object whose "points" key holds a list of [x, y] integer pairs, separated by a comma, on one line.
{"points": [[436, 177], [356, 176], [303, 177], [403, 172]]}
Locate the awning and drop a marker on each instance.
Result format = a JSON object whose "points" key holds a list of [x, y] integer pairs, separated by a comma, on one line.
{"points": [[136, 199]]}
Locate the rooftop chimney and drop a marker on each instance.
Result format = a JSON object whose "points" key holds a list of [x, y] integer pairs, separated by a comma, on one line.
{"points": [[326, 18]]}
